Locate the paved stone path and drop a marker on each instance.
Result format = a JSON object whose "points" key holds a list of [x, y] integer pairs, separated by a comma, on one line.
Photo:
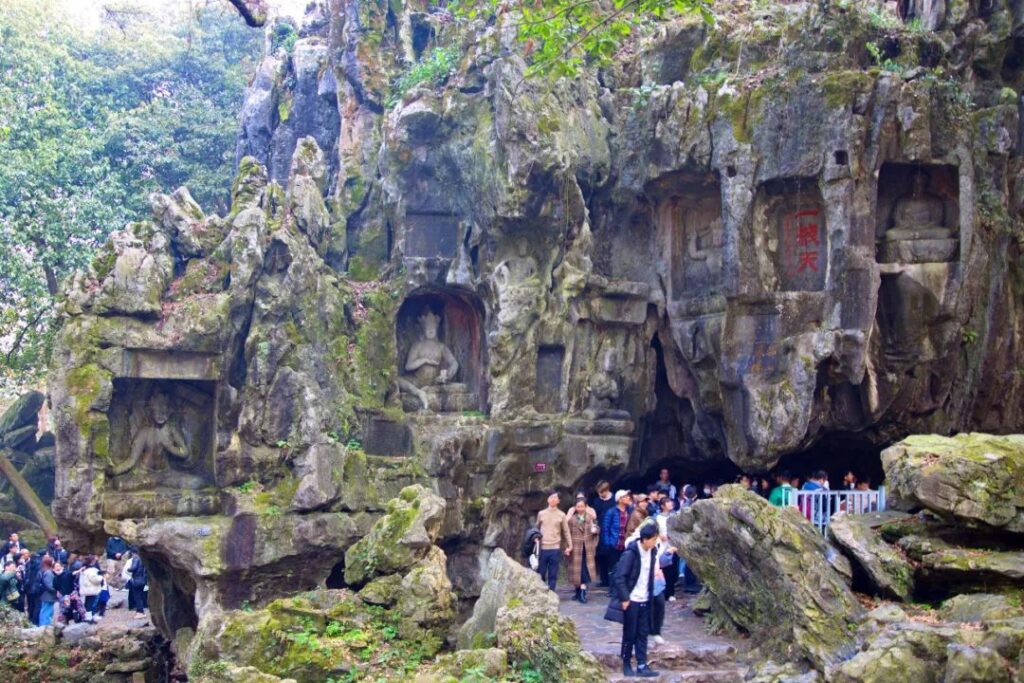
{"points": [[689, 655]]}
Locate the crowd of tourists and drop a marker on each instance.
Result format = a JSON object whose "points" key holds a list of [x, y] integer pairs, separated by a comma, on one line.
{"points": [[52, 585], [620, 541]]}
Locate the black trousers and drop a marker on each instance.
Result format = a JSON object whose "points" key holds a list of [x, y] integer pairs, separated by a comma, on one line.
{"points": [[635, 629], [611, 559], [548, 567], [657, 614], [604, 569], [671, 576], [33, 609], [136, 597]]}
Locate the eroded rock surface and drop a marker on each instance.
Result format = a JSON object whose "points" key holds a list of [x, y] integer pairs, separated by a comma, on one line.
{"points": [[768, 572]]}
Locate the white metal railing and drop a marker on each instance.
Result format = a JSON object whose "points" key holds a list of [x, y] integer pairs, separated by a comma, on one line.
{"points": [[818, 506]]}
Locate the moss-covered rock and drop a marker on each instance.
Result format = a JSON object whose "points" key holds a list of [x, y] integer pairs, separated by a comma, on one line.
{"points": [[981, 607], [516, 612], [313, 638], [404, 535], [973, 478], [768, 570], [886, 569]]}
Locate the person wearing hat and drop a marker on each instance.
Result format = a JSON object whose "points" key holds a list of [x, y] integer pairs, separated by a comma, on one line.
{"points": [[583, 531], [639, 514], [613, 527], [554, 533]]}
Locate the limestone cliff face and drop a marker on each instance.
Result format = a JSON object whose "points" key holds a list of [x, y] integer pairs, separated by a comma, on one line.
{"points": [[732, 243]]}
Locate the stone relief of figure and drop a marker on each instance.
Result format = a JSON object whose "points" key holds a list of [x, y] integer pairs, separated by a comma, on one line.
{"points": [[604, 384], [160, 450], [918, 210], [429, 362]]}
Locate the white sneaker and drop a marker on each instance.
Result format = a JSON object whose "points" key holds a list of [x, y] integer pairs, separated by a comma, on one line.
{"points": [[659, 640], [672, 599]]}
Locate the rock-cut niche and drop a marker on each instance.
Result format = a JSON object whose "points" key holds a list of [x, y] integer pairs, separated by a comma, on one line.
{"points": [[163, 434], [917, 220], [688, 213], [790, 212], [439, 335]]}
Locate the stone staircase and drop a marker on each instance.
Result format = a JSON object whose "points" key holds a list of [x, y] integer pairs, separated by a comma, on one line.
{"points": [[689, 654]]}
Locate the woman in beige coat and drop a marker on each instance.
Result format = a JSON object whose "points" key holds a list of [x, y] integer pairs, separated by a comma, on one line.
{"points": [[584, 532]]}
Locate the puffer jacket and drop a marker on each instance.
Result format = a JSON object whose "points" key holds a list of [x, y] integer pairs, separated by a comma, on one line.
{"points": [[90, 582]]}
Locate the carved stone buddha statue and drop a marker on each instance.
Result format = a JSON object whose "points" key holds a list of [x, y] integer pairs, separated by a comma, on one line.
{"points": [[161, 456], [919, 233], [430, 370]]}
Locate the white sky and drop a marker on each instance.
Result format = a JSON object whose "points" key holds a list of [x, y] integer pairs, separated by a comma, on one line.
{"points": [[87, 12]]}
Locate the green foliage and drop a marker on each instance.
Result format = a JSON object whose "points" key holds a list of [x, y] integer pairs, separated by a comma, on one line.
{"points": [[434, 68], [92, 120], [283, 37], [968, 336], [561, 36], [880, 59]]}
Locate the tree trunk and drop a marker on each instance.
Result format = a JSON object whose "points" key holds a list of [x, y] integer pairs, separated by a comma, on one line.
{"points": [[253, 11], [36, 508]]}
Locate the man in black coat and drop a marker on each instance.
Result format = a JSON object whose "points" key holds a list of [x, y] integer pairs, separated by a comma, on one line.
{"points": [[633, 589]]}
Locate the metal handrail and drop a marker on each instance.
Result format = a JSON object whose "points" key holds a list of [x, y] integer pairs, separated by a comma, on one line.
{"points": [[818, 506]]}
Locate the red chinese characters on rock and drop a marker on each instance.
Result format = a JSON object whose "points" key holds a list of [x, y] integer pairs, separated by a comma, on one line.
{"points": [[802, 257]]}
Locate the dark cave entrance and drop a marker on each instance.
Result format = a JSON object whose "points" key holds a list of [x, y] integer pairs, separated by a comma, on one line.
{"points": [[836, 454], [666, 440], [336, 579]]}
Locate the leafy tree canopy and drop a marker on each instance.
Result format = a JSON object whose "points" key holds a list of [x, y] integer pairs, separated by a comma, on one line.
{"points": [[93, 119], [560, 36]]}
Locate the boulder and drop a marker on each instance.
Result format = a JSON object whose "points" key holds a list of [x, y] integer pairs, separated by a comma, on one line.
{"points": [[22, 413], [405, 534], [768, 570], [425, 598], [491, 663], [977, 479], [381, 591], [321, 635], [516, 608], [967, 569], [974, 665], [888, 572], [980, 607]]}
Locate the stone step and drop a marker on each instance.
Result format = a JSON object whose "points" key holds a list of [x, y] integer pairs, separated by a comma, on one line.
{"points": [[678, 656], [725, 675]]}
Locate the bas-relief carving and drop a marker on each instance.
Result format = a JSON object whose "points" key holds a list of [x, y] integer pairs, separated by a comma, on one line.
{"points": [[697, 239], [921, 231], [167, 437], [429, 362]]}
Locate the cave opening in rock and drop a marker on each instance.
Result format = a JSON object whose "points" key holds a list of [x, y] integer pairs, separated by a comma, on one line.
{"points": [[336, 579], [666, 441], [837, 454]]}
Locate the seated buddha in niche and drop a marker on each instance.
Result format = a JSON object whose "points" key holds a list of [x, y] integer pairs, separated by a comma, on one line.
{"points": [[918, 214], [429, 362]]}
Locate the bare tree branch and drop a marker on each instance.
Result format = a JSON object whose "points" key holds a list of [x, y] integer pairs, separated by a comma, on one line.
{"points": [[253, 11]]}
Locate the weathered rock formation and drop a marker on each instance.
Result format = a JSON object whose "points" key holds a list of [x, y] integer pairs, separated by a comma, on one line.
{"points": [[731, 243], [771, 574]]}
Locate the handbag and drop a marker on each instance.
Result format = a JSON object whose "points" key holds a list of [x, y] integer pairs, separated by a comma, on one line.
{"points": [[104, 596], [12, 596], [614, 612]]}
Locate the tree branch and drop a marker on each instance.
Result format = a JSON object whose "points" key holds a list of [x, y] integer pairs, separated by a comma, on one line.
{"points": [[253, 11], [35, 506]]}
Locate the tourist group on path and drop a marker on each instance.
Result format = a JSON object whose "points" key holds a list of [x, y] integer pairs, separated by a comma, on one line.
{"points": [[53, 585], [620, 540]]}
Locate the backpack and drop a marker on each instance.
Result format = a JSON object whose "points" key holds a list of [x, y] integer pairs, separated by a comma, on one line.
{"points": [[529, 541], [34, 579]]}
